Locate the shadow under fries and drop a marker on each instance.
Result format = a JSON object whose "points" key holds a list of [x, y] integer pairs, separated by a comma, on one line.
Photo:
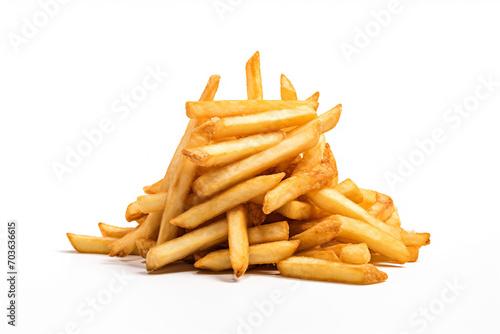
{"points": [[176, 267]]}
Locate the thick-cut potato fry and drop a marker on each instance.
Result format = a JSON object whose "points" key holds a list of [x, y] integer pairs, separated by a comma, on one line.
{"points": [[369, 198], [328, 121], [255, 216], [382, 208], [299, 210], [178, 248], [153, 188], [268, 233], [354, 253], [297, 185], [192, 200], [91, 244], [263, 122], [114, 231], [332, 201], [322, 254], [133, 212], [317, 235], [151, 203], [181, 184], [314, 97], [394, 220], [287, 166], [414, 250], [149, 229], [271, 252], [350, 190], [224, 177], [377, 240], [238, 239], [144, 245], [312, 157], [287, 90], [141, 219], [238, 194], [321, 270], [254, 79], [232, 150], [228, 108], [413, 238]]}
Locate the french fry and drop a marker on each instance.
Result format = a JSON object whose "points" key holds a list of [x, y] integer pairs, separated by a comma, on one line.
{"points": [[394, 220], [354, 253], [288, 166], [224, 177], [369, 198], [268, 233], [238, 194], [255, 216], [271, 252], [149, 229], [254, 79], [322, 254], [299, 210], [114, 231], [178, 248], [141, 219], [297, 185], [377, 240], [314, 97], [317, 235], [332, 201], [414, 250], [153, 188], [297, 227], [328, 121], [90, 244], [263, 122], [415, 239], [228, 108], [321, 270], [383, 208], [287, 90], [312, 157], [151, 203], [350, 190], [144, 245], [232, 150], [133, 212], [238, 239]]}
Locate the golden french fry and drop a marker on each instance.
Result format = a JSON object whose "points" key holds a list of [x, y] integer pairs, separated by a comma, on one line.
{"points": [[238, 239], [263, 122], [287, 90], [312, 157], [271, 252], [238, 194], [254, 79], [394, 220], [114, 231], [228, 108], [354, 253], [314, 97], [297, 185], [377, 240], [268, 233], [332, 201], [141, 219], [149, 229], [287, 166], [299, 210], [255, 216], [414, 250], [91, 244], [153, 188], [297, 227], [133, 212], [224, 177], [317, 235], [151, 203], [328, 121], [232, 150], [322, 254], [382, 208], [350, 190], [412, 238], [178, 248], [369, 198], [144, 245], [321, 270]]}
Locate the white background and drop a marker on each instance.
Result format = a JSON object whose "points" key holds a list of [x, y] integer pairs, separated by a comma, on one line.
{"points": [[394, 92]]}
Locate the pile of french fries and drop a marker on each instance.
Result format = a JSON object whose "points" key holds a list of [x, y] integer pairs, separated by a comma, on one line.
{"points": [[254, 182]]}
